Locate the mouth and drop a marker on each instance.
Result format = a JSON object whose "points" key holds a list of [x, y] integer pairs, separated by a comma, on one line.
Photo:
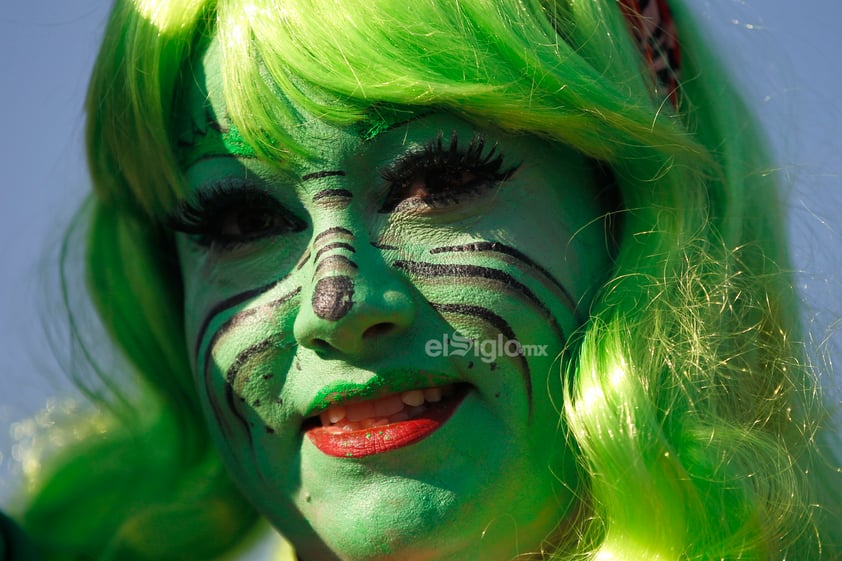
{"points": [[364, 428]]}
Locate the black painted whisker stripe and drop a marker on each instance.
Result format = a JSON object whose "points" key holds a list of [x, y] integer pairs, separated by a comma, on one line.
{"points": [[336, 230], [244, 356], [332, 194], [384, 247], [434, 270], [303, 261], [336, 263], [231, 374], [321, 174], [228, 303], [498, 247], [239, 319], [500, 324], [334, 245], [217, 414], [232, 406]]}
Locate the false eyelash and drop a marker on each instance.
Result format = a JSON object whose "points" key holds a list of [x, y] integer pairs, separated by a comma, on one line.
{"points": [[434, 159], [202, 216]]}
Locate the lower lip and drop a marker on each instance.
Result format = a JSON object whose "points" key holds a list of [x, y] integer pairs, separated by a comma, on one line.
{"points": [[377, 440]]}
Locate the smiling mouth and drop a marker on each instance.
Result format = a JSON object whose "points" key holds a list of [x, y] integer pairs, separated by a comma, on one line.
{"points": [[354, 430]]}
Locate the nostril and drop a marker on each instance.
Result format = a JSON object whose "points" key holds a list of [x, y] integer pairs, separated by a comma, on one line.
{"points": [[378, 329], [319, 345]]}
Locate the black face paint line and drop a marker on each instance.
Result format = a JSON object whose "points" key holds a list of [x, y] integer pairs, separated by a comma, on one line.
{"points": [[508, 282], [337, 231], [517, 255], [335, 198], [332, 194], [230, 377], [498, 323], [322, 174], [333, 297], [334, 245], [244, 317], [524, 262], [303, 260], [336, 264], [227, 304], [234, 381]]}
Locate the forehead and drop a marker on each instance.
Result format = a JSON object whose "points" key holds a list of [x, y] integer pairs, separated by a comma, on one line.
{"points": [[205, 126]]}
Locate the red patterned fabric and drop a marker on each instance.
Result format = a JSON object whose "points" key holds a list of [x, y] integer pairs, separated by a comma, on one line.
{"points": [[652, 26]]}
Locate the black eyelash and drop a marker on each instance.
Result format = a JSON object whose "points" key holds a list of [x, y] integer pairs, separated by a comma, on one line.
{"points": [[203, 216], [438, 164]]}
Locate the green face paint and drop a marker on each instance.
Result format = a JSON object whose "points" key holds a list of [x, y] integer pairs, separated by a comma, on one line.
{"points": [[375, 340]]}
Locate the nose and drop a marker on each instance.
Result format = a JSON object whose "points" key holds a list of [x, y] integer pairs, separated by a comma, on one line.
{"points": [[356, 304]]}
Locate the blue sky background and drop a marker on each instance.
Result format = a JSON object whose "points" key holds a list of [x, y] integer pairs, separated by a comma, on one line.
{"points": [[785, 53]]}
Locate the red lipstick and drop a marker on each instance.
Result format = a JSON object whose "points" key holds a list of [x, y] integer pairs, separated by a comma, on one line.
{"points": [[345, 439]]}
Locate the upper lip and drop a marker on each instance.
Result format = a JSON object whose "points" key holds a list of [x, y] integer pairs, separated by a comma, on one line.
{"points": [[378, 386]]}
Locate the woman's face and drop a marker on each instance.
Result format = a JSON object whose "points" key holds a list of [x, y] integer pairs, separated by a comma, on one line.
{"points": [[376, 334]]}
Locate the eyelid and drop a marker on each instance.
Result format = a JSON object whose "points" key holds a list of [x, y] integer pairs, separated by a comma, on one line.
{"points": [[212, 207], [214, 197], [434, 157]]}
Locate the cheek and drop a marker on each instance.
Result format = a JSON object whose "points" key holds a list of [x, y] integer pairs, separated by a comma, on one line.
{"points": [[565, 238], [242, 368], [216, 286], [242, 350]]}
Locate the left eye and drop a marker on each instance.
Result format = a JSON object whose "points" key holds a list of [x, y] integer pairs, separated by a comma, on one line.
{"points": [[227, 217], [440, 176], [248, 224]]}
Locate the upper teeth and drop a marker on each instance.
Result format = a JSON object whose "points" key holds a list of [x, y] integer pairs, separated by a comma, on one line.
{"points": [[377, 412]]}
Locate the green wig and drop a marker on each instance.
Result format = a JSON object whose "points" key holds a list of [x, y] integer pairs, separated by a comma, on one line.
{"points": [[690, 403]]}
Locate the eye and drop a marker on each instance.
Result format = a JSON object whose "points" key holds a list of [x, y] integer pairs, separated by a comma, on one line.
{"points": [[440, 176], [226, 216]]}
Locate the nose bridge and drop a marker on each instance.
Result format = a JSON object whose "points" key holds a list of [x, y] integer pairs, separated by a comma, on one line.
{"points": [[350, 295], [335, 272]]}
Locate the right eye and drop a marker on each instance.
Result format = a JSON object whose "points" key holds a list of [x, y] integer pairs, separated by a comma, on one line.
{"points": [[444, 176], [228, 216]]}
